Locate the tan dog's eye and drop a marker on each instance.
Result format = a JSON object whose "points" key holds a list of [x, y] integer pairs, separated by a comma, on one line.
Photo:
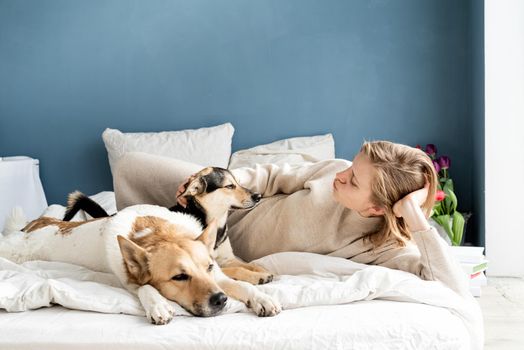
{"points": [[231, 187], [210, 267], [180, 277]]}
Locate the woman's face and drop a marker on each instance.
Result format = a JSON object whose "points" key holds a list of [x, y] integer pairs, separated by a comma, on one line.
{"points": [[352, 187]]}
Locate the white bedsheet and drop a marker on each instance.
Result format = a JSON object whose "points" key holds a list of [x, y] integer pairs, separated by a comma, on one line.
{"points": [[429, 316], [375, 324]]}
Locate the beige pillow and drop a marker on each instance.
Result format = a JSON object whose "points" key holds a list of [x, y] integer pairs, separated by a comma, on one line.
{"points": [[205, 146], [294, 150]]}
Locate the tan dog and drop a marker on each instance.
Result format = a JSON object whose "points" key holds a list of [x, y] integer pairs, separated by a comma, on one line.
{"points": [[155, 253], [209, 195]]}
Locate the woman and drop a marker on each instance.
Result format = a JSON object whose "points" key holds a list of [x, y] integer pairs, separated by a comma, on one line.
{"points": [[371, 211]]}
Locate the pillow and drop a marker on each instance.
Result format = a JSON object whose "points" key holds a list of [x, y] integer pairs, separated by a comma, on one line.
{"points": [[294, 150], [205, 146]]}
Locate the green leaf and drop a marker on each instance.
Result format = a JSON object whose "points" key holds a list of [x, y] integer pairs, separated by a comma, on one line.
{"points": [[447, 203], [454, 201], [444, 221], [458, 228], [437, 209], [448, 185]]}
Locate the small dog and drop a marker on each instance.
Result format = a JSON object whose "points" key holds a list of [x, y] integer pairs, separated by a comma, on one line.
{"points": [[155, 253], [210, 194]]}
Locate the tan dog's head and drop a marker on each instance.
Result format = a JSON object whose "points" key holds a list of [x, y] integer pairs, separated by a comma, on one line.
{"points": [[217, 191], [179, 267]]}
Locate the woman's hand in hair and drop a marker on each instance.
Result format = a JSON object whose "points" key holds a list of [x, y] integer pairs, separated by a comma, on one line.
{"points": [[409, 208], [417, 197]]}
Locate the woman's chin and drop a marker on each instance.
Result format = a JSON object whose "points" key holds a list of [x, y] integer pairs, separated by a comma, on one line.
{"points": [[334, 195], [336, 198]]}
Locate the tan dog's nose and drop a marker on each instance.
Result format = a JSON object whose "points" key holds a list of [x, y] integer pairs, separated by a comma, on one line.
{"points": [[218, 301]]}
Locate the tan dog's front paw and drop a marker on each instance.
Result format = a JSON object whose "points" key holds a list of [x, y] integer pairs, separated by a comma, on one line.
{"points": [[263, 305], [160, 314], [158, 309]]}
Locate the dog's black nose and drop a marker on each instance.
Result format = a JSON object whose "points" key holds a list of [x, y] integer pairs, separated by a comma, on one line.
{"points": [[256, 197], [218, 300]]}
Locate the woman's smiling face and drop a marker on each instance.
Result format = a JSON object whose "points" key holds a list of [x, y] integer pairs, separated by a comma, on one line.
{"points": [[352, 187]]}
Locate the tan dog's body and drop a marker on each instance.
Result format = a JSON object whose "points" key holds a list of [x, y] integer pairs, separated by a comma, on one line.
{"points": [[209, 195], [156, 254]]}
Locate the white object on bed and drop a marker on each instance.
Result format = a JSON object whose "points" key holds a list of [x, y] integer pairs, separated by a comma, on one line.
{"points": [[296, 150], [205, 146], [322, 281], [445, 321], [20, 186]]}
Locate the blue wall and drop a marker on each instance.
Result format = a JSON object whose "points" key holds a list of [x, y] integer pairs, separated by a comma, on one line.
{"points": [[397, 70]]}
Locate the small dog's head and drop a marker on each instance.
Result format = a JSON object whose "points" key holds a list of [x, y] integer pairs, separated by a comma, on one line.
{"points": [[179, 267], [217, 190]]}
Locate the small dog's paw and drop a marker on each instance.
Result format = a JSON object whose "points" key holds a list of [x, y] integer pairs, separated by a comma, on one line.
{"points": [[257, 277], [160, 313], [265, 278], [263, 305], [259, 274]]}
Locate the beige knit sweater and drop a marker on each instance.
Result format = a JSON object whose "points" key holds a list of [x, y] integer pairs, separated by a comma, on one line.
{"points": [[298, 213]]}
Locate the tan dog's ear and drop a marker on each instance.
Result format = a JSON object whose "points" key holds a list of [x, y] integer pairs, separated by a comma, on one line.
{"points": [[209, 235], [196, 186], [136, 260]]}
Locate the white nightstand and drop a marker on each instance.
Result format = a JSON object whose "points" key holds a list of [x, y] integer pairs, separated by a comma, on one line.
{"points": [[20, 185]]}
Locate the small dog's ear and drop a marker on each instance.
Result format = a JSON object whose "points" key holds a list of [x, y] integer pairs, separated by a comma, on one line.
{"points": [[197, 186], [209, 235], [135, 259]]}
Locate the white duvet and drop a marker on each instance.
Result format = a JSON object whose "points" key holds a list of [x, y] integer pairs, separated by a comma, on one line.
{"points": [[304, 280]]}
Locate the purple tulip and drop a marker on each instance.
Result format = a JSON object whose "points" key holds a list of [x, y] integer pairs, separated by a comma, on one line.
{"points": [[431, 149], [444, 162], [436, 165]]}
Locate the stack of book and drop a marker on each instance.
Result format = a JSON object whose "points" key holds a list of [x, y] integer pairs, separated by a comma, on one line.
{"points": [[474, 263]]}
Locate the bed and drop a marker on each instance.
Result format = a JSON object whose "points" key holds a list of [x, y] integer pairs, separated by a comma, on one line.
{"points": [[327, 302]]}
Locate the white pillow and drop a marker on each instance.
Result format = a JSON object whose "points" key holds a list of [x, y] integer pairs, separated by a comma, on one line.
{"points": [[294, 150], [205, 146]]}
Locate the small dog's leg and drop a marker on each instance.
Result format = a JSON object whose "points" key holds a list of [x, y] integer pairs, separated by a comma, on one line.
{"points": [[262, 304], [242, 274], [236, 262], [253, 267], [157, 307], [238, 269]]}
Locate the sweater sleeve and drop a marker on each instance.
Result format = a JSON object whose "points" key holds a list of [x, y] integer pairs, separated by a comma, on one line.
{"points": [[434, 263], [271, 179]]}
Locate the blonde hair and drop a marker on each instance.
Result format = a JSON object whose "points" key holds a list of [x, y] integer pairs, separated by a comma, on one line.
{"points": [[399, 170]]}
